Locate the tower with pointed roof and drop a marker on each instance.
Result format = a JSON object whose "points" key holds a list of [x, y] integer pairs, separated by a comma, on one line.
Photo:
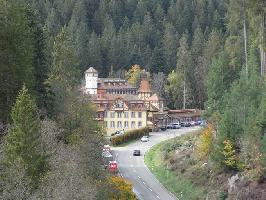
{"points": [[144, 91], [91, 78]]}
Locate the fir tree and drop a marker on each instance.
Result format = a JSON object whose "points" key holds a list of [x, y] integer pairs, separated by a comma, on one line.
{"points": [[23, 143]]}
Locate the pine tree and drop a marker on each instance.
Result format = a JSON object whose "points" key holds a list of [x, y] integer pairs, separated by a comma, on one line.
{"points": [[16, 54], [23, 143], [183, 64]]}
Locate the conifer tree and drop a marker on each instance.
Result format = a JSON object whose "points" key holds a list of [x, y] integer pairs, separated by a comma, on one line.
{"points": [[23, 143]]}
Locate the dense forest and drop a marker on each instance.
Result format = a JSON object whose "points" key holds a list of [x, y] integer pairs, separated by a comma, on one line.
{"points": [[207, 54]]}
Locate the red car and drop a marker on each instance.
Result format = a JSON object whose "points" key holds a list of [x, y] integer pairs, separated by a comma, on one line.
{"points": [[112, 167]]}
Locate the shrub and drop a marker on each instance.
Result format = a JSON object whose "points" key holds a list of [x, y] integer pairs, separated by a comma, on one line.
{"points": [[229, 153], [130, 135], [121, 189], [204, 143]]}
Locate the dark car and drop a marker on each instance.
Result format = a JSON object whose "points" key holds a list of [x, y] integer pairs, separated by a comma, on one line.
{"points": [[136, 153], [185, 124], [163, 128]]}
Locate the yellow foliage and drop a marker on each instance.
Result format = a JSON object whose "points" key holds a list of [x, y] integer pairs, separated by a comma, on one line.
{"points": [[230, 158], [204, 143], [133, 74], [122, 189]]}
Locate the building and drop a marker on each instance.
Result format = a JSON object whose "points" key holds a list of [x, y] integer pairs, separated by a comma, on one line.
{"points": [[121, 106]]}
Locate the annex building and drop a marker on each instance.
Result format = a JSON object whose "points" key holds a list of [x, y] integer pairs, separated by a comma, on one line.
{"points": [[121, 106]]}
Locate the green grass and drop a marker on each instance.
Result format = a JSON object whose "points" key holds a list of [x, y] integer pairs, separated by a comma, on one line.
{"points": [[180, 186]]}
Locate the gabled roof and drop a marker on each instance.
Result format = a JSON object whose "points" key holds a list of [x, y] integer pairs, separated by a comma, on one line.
{"points": [[91, 70]]}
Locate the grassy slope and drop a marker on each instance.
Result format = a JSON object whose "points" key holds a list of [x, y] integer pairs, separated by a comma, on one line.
{"points": [[175, 182]]}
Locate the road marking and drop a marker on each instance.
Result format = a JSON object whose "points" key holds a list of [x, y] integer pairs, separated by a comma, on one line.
{"points": [[139, 177], [144, 183], [116, 154], [150, 189], [157, 196]]}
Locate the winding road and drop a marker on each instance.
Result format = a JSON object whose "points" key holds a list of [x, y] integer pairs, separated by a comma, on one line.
{"points": [[133, 168]]}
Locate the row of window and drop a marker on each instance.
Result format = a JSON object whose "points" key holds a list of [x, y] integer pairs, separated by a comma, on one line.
{"points": [[126, 114], [125, 125]]}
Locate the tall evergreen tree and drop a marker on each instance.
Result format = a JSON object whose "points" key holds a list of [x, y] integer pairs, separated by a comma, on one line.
{"points": [[23, 143]]}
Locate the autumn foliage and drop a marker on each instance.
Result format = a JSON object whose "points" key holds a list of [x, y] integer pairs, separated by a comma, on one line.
{"points": [[204, 143], [121, 189]]}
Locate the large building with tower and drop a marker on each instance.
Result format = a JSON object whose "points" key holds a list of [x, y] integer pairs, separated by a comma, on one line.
{"points": [[121, 106]]}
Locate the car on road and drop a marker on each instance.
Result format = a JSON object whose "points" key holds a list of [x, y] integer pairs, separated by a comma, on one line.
{"points": [[174, 125], [144, 139], [136, 152]]}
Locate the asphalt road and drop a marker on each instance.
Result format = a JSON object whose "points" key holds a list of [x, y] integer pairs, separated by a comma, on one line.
{"points": [[132, 168]]}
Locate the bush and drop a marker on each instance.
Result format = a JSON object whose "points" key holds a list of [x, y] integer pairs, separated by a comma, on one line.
{"points": [[204, 143], [130, 135], [121, 189]]}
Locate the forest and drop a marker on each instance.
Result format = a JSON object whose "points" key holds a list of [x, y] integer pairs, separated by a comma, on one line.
{"points": [[207, 54]]}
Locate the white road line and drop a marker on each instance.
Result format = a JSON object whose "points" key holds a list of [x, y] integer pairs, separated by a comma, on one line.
{"points": [[144, 183], [157, 197], [116, 154], [139, 177], [150, 189]]}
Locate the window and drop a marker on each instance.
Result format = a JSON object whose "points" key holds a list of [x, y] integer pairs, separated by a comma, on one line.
{"points": [[133, 124], [119, 124], [132, 114], [112, 114], [126, 124], [119, 115], [106, 114], [140, 124], [126, 114], [112, 124], [140, 114], [106, 124]]}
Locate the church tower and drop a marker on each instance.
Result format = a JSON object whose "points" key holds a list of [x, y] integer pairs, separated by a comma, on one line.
{"points": [[91, 78]]}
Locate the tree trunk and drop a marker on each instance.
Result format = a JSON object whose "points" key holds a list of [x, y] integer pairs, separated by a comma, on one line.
{"points": [[245, 42], [262, 52]]}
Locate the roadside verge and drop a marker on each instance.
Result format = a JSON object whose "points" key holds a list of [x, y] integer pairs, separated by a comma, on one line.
{"points": [[157, 160]]}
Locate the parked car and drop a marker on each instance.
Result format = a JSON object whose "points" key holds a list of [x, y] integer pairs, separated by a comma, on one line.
{"points": [[113, 167], [136, 152], [185, 124], [192, 123], [203, 123], [174, 126], [144, 139], [106, 148], [163, 128], [121, 132], [106, 158]]}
